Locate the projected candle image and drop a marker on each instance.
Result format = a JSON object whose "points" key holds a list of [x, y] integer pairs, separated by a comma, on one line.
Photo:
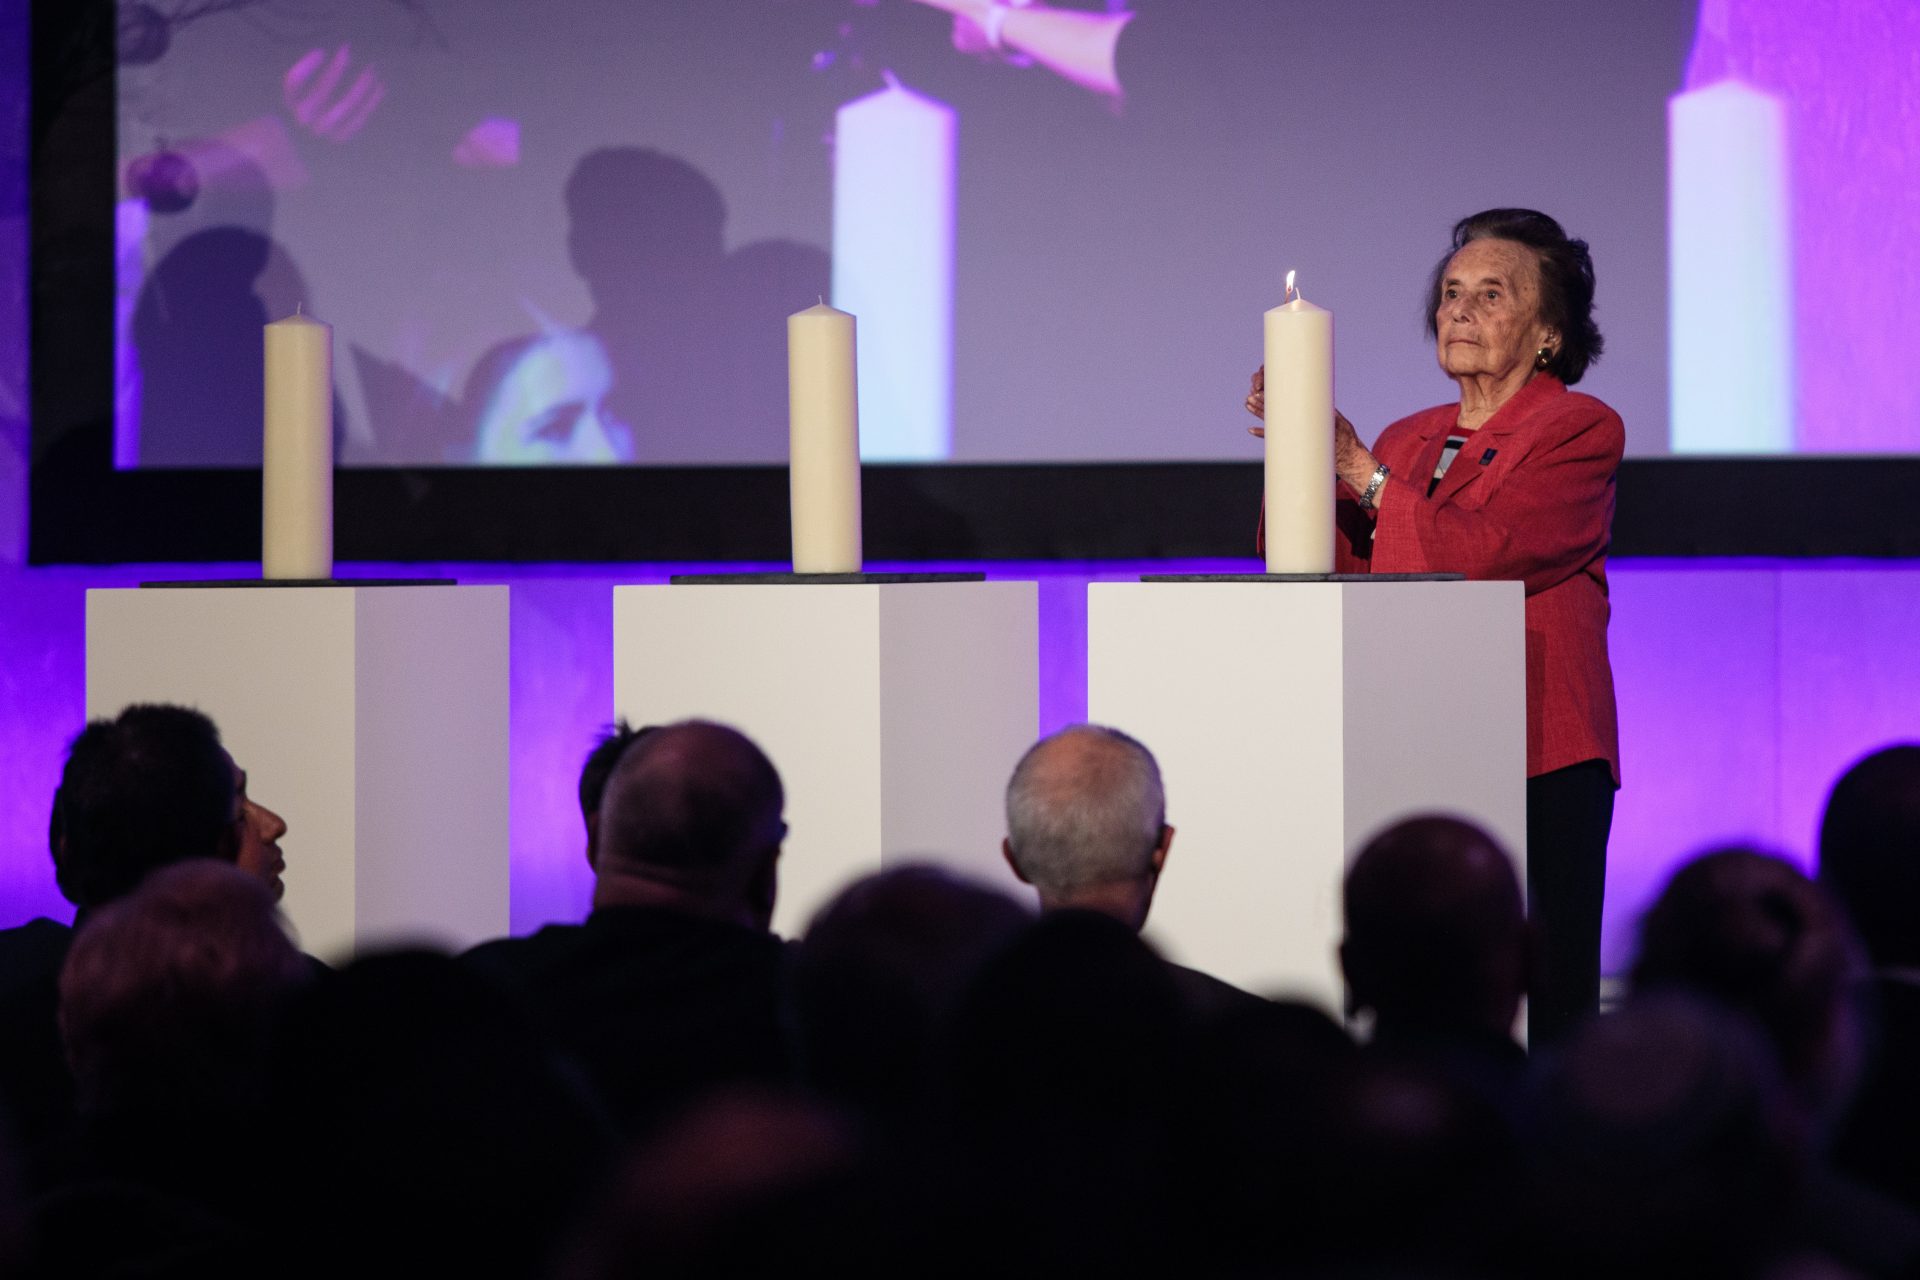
{"points": [[893, 266], [1731, 272], [1812, 175]]}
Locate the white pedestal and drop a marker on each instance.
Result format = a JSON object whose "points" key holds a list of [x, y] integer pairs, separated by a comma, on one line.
{"points": [[373, 719], [1292, 721], [894, 711]]}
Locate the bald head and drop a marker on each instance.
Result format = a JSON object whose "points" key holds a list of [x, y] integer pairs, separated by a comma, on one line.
{"points": [[1085, 808], [1436, 927], [694, 805]]}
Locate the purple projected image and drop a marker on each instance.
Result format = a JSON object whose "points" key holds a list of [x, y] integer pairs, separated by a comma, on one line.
{"points": [[1847, 84], [570, 232]]}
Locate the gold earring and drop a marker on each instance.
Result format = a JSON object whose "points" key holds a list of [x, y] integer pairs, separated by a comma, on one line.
{"points": [[1542, 357]]}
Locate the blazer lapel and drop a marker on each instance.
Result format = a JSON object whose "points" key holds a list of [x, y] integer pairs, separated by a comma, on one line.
{"points": [[1494, 434], [1427, 459]]}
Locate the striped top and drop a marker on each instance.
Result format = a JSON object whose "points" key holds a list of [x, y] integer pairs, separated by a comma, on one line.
{"points": [[1456, 441]]}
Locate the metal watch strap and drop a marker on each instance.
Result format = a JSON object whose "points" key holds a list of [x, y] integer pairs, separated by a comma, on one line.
{"points": [[1380, 474]]}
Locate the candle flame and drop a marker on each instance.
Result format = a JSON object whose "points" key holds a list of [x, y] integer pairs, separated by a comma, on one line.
{"points": [[1291, 291]]}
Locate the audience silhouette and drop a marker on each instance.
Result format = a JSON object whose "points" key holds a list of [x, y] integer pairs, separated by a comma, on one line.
{"points": [[422, 1127], [877, 980], [146, 789], [935, 1080], [1870, 862], [594, 772], [1748, 930], [1087, 828], [674, 982], [1438, 954], [167, 1004], [1663, 1142]]}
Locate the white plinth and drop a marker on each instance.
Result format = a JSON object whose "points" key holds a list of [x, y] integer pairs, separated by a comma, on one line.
{"points": [[1292, 721], [894, 711], [373, 719]]}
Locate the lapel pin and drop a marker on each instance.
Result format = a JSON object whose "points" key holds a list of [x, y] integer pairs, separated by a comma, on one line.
{"points": [[1487, 457]]}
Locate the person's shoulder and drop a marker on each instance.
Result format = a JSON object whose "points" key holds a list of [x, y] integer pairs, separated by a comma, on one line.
{"points": [[1562, 422], [1406, 433], [38, 939], [1208, 998], [514, 952], [1593, 408], [1577, 408], [1423, 421], [36, 933]]}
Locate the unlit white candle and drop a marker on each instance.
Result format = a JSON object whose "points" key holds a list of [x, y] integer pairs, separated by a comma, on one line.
{"points": [[296, 512], [1299, 417], [823, 410]]}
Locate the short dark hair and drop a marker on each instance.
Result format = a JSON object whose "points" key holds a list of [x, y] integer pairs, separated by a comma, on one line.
{"points": [[1870, 851], [598, 766], [148, 788], [1566, 282]]}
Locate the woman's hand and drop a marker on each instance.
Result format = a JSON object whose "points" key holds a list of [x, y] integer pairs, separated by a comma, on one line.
{"points": [[1345, 440], [1354, 463], [1351, 461]]}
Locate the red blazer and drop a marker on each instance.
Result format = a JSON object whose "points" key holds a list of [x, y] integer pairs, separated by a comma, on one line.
{"points": [[1530, 497]]}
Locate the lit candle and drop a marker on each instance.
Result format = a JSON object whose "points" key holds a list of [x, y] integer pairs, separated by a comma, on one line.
{"points": [[823, 415], [1299, 417], [893, 263], [296, 510]]}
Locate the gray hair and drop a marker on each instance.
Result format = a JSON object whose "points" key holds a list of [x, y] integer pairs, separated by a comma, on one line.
{"points": [[1084, 806]]}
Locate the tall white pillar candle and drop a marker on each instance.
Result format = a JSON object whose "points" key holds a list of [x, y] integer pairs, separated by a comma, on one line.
{"points": [[1730, 272], [1299, 437], [893, 264], [296, 471], [823, 415]]}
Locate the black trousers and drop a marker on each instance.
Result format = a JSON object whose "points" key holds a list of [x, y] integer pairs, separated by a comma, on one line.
{"points": [[1569, 815]]}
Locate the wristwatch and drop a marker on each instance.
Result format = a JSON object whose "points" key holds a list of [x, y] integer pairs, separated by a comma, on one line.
{"points": [[1372, 491]]}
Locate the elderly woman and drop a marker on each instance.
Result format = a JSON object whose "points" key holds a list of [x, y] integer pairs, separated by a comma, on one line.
{"points": [[1516, 481]]}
